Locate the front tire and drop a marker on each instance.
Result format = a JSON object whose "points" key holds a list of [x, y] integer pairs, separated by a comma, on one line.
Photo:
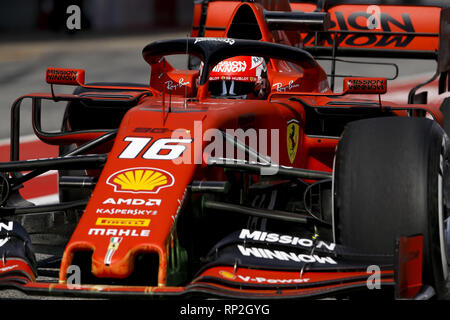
{"points": [[391, 178]]}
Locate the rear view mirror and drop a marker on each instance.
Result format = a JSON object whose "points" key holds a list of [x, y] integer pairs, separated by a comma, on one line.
{"points": [[71, 77], [365, 85]]}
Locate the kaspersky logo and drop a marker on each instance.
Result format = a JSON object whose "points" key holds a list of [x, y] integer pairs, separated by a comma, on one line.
{"points": [[140, 180]]}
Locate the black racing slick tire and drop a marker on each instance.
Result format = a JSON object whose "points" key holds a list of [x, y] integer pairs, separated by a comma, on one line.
{"points": [[391, 178]]}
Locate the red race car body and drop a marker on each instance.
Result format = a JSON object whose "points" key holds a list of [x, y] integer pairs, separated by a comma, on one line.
{"points": [[192, 194]]}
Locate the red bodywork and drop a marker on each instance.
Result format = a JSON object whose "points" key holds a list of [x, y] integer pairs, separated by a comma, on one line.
{"points": [[179, 107]]}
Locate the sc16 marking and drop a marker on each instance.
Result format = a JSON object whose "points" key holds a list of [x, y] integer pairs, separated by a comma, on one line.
{"points": [[161, 149]]}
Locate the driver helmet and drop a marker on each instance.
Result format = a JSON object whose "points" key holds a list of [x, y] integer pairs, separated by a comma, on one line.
{"points": [[240, 77]]}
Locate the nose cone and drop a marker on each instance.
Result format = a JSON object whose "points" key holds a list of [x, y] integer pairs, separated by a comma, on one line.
{"points": [[139, 194]]}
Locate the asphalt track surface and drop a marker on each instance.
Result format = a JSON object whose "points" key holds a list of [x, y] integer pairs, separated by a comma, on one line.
{"points": [[116, 59]]}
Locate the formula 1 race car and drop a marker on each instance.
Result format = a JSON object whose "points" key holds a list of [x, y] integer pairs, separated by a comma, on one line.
{"points": [[243, 174]]}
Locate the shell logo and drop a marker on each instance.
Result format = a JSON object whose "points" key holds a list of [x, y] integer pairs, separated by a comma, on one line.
{"points": [[140, 180]]}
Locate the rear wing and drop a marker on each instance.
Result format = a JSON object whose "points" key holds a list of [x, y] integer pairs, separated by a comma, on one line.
{"points": [[362, 28], [400, 29]]}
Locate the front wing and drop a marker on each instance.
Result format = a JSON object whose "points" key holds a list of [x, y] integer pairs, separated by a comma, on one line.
{"points": [[244, 281]]}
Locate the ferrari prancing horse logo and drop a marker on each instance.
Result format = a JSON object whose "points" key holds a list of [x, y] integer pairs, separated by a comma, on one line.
{"points": [[293, 131]]}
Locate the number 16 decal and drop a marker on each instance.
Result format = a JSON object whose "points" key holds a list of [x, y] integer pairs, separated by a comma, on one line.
{"points": [[173, 148]]}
